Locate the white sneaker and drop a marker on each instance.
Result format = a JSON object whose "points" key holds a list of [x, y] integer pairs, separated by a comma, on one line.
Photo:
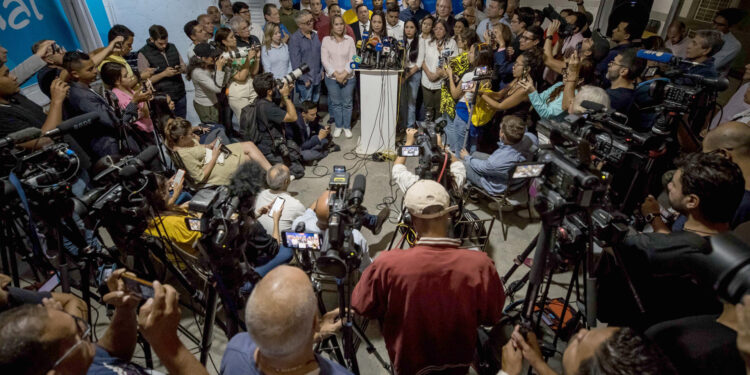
{"points": [[336, 132], [348, 133]]}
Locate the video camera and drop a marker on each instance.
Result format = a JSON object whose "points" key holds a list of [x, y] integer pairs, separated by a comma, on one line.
{"points": [[339, 253], [566, 29], [240, 53], [426, 146]]}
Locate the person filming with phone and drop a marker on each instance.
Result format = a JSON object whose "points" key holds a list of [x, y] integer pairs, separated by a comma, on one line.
{"points": [[313, 139]]}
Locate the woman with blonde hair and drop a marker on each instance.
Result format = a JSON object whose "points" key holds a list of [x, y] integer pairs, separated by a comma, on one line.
{"points": [[274, 52]]}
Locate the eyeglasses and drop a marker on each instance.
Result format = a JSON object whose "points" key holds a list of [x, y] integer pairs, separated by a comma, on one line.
{"points": [[524, 37], [310, 22], [84, 333], [612, 62], [245, 11]]}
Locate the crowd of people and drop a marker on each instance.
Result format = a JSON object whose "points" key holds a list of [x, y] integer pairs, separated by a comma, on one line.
{"points": [[490, 72]]}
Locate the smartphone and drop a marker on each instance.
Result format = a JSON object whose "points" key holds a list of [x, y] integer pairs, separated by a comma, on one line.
{"points": [[408, 151], [480, 71], [193, 224], [467, 86], [339, 169], [277, 205], [217, 145], [178, 177], [50, 284], [137, 286], [301, 240], [527, 170]]}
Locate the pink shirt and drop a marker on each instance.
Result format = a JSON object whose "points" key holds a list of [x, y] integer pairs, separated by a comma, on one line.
{"points": [[143, 123], [336, 56]]}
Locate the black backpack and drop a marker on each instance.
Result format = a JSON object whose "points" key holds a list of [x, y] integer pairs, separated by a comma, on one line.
{"points": [[249, 123]]}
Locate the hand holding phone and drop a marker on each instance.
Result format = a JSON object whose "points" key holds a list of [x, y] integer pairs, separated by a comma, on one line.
{"points": [[217, 145], [178, 178], [136, 286], [120, 296], [278, 204]]}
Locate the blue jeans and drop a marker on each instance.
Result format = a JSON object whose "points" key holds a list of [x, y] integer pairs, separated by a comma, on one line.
{"points": [[409, 92], [283, 256], [180, 107], [340, 100], [455, 131], [311, 93]]}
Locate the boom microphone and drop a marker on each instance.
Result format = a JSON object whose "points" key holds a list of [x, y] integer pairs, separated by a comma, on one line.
{"points": [[140, 162], [73, 124], [20, 136], [663, 57]]}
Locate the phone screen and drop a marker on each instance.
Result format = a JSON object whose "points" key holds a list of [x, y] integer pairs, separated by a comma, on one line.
{"points": [[480, 71], [139, 287], [528, 170], [217, 145], [277, 204], [51, 284], [408, 151], [178, 177], [193, 224], [339, 169], [302, 240]]}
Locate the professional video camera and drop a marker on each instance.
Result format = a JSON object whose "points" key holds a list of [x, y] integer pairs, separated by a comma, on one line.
{"points": [[566, 29], [431, 156], [625, 156], [339, 253]]}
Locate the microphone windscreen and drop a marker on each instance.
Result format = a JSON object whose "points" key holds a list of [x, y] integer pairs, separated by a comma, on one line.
{"points": [[658, 56]]}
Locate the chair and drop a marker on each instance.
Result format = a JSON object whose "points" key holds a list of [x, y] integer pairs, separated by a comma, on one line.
{"points": [[508, 199], [189, 182]]}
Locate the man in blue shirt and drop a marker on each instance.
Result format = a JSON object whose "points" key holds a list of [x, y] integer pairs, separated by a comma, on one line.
{"points": [[413, 12], [622, 72], [282, 327], [701, 49], [271, 14], [622, 35], [304, 48], [491, 172]]}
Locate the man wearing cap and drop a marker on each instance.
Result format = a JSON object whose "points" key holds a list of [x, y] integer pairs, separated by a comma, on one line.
{"points": [[431, 298]]}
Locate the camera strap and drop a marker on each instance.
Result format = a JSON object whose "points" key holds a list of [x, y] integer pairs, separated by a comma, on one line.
{"points": [[33, 234]]}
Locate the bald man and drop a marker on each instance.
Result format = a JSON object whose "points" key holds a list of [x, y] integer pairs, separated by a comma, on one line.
{"points": [[282, 326], [732, 139], [278, 179]]}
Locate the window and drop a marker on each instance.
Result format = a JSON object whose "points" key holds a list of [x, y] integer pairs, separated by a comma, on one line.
{"points": [[707, 9]]}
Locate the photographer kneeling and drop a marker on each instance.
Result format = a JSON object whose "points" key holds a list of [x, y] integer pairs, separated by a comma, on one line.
{"points": [[405, 178], [269, 123], [707, 188], [434, 290], [314, 141], [40, 340]]}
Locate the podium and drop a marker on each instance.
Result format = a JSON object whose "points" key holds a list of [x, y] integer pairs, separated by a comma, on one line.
{"points": [[378, 95]]}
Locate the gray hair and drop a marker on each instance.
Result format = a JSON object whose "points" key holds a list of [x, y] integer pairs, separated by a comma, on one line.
{"points": [[301, 14], [235, 23], [277, 177], [22, 350], [712, 39], [281, 325], [592, 94]]}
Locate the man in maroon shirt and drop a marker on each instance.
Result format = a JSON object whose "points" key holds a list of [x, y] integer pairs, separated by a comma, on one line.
{"points": [[324, 30], [430, 299]]}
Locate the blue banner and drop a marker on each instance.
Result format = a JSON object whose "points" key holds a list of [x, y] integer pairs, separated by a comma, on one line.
{"points": [[25, 22]]}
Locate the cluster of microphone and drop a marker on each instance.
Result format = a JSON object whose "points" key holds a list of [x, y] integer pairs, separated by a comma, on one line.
{"points": [[376, 53]]}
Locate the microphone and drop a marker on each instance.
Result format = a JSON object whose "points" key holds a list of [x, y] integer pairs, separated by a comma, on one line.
{"points": [[20, 136], [718, 83], [73, 124], [232, 206], [358, 190], [379, 50], [139, 163], [663, 57]]}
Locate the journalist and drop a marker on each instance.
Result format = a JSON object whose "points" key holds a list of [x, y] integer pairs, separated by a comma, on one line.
{"points": [[278, 180], [206, 70], [603, 351], [405, 178], [242, 70], [270, 119], [40, 340], [54, 60], [490, 172], [283, 324], [622, 72], [418, 292], [313, 139], [101, 138], [162, 57], [27, 68], [197, 34], [707, 188], [623, 36], [701, 49]]}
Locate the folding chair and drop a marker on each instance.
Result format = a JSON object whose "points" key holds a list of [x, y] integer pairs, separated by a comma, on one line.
{"points": [[519, 197]]}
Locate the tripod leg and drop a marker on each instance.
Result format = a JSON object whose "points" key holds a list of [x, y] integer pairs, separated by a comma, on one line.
{"points": [[567, 302], [208, 325], [520, 259], [370, 347]]}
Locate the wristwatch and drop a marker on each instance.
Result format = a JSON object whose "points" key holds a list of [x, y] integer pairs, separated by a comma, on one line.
{"points": [[550, 37], [650, 217]]}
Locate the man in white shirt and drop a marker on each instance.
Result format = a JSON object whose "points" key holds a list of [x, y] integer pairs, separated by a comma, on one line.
{"points": [[677, 39], [495, 12], [278, 180], [723, 22], [241, 9], [478, 14], [394, 25], [197, 34], [405, 178]]}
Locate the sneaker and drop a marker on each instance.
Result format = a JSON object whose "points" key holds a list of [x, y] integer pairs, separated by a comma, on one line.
{"points": [[336, 132], [348, 133], [382, 218]]}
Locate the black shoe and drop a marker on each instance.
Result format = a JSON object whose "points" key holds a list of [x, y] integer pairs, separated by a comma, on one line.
{"points": [[382, 218], [334, 148]]}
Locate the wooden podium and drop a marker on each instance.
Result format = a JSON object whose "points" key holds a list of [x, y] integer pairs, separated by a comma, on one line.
{"points": [[378, 95]]}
